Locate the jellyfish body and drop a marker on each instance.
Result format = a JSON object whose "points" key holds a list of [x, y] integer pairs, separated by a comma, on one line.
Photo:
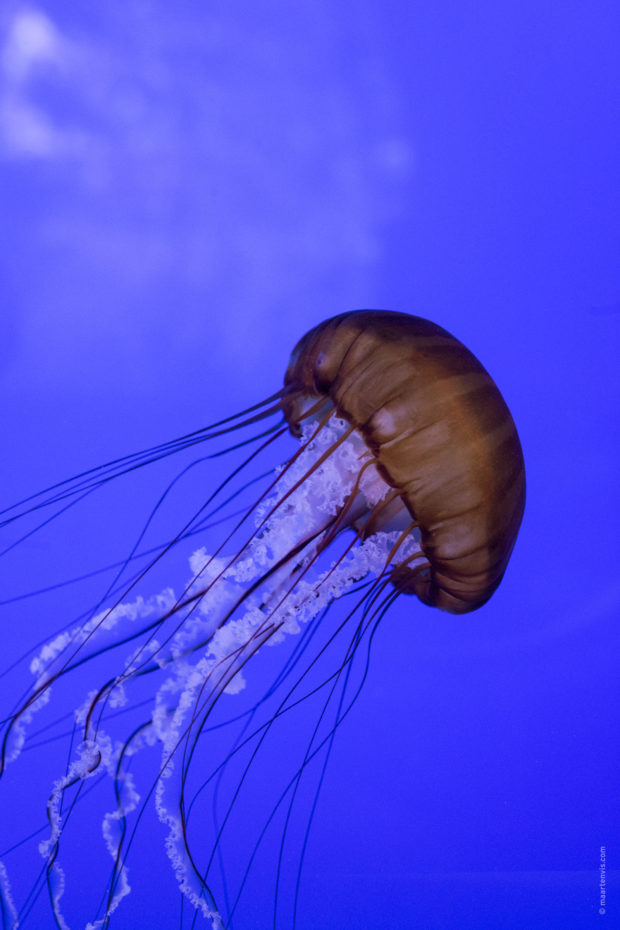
{"points": [[441, 434], [409, 473]]}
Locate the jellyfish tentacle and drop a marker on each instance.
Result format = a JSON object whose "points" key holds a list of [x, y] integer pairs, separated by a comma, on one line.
{"points": [[263, 632], [82, 768], [201, 527], [270, 432], [8, 910], [194, 598], [267, 726], [392, 596], [298, 651], [54, 856], [282, 563], [284, 709], [105, 690], [127, 799], [180, 603], [40, 690], [351, 497], [268, 632], [203, 720], [240, 656], [379, 612], [261, 635], [133, 460], [304, 764], [164, 551], [348, 514]]}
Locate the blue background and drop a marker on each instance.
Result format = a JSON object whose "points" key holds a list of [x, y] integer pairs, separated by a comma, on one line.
{"points": [[186, 189]]}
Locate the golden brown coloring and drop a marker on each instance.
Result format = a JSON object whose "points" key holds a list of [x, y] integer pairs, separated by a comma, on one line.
{"points": [[441, 434]]}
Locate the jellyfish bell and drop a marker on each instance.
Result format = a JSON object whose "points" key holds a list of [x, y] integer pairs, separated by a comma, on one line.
{"points": [[440, 434], [408, 479]]}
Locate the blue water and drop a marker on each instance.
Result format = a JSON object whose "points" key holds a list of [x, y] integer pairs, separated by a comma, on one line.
{"points": [[187, 189]]}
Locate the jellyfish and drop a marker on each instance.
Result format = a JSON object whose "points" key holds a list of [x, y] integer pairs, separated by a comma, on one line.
{"points": [[407, 479]]}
